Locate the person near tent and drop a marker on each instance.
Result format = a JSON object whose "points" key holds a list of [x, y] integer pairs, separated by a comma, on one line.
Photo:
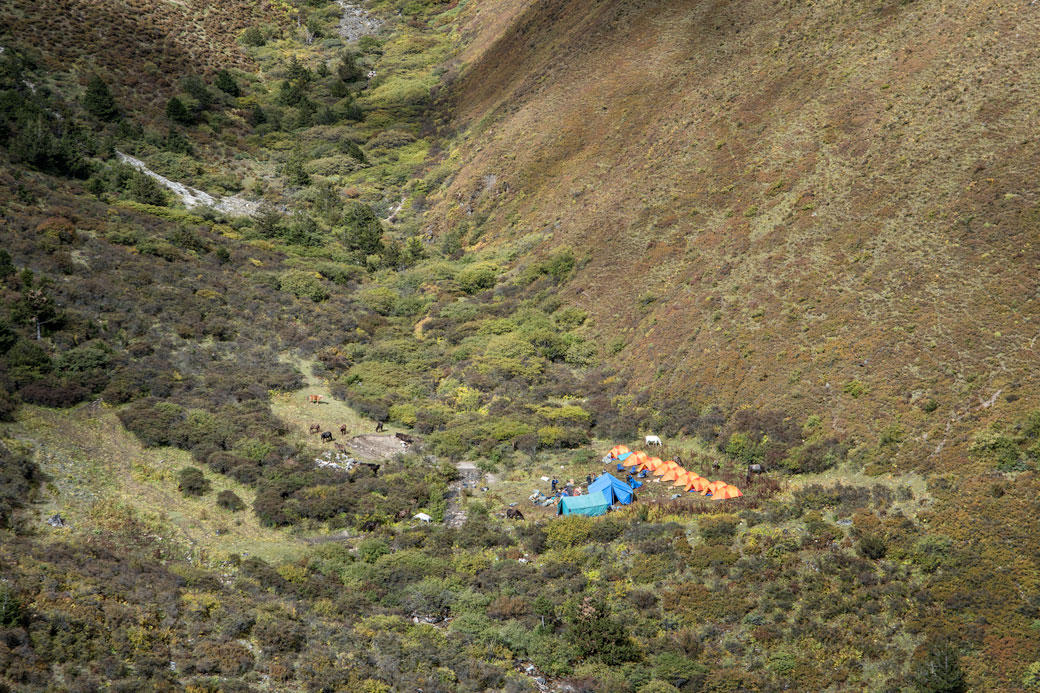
{"points": [[628, 478], [554, 482], [588, 479]]}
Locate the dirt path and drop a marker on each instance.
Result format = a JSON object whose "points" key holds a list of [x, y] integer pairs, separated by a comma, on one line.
{"points": [[469, 477]]}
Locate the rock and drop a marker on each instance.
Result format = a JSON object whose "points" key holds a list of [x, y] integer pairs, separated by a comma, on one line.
{"points": [[57, 521]]}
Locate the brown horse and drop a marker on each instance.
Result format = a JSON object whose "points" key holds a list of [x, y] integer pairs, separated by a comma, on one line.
{"points": [[343, 429], [315, 428]]}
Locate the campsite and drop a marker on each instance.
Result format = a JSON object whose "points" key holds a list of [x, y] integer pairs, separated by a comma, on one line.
{"points": [[523, 346]]}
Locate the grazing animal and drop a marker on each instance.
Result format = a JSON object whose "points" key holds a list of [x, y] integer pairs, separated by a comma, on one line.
{"points": [[422, 517], [326, 437], [514, 514], [755, 468], [379, 426], [343, 429], [369, 525], [404, 438], [374, 468], [315, 399], [401, 514], [340, 447], [315, 428], [653, 440]]}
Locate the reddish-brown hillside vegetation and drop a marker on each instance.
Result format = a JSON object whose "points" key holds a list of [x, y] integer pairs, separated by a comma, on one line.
{"points": [[822, 208], [142, 46]]}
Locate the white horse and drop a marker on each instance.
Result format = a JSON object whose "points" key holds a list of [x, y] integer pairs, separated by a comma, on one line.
{"points": [[422, 517], [653, 440]]}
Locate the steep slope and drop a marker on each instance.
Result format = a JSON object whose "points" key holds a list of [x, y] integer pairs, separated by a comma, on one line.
{"points": [[143, 46], [823, 209]]}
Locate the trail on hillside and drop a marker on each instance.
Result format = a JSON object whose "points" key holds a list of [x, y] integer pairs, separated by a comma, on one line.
{"points": [[193, 197], [356, 22]]}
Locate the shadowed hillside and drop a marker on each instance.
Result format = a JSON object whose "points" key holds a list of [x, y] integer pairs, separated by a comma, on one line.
{"points": [[821, 208], [145, 46]]}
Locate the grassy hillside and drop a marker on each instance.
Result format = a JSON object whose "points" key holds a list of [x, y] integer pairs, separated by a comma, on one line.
{"points": [[797, 236], [820, 209]]}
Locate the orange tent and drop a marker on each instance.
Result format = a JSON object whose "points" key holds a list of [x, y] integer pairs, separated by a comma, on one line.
{"points": [[726, 491], [672, 474], [711, 488], [614, 452], [621, 450], [697, 483], [683, 478], [661, 470]]}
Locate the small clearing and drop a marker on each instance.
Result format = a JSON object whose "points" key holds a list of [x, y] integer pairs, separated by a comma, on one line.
{"points": [[373, 447], [356, 22]]}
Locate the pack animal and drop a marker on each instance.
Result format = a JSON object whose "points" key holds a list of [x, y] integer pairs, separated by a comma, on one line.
{"points": [[326, 437], [315, 428], [514, 514], [340, 447], [379, 426], [653, 440], [343, 429], [404, 438]]}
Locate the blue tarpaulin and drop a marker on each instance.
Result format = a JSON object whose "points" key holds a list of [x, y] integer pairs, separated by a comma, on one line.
{"points": [[590, 504], [615, 490]]}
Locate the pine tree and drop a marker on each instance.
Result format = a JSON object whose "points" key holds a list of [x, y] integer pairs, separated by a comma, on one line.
{"points": [[227, 84], [178, 112], [99, 102], [940, 672]]}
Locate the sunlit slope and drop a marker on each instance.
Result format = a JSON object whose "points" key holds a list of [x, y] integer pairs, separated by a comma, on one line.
{"points": [[822, 208]]}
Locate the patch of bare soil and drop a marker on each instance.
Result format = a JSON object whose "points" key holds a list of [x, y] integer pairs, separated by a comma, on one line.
{"points": [[373, 447]]}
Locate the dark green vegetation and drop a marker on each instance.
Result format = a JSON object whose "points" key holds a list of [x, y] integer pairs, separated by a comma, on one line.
{"points": [[412, 267]]}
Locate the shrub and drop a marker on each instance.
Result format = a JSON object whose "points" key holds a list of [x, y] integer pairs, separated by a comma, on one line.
{"points": [[572, 530], [719, 529], [192, 482], [304, 284], [477, 277], [872, 546], [229, 500]]}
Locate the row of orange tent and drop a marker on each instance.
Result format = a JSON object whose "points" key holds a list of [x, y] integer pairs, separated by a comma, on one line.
{"points": [[672, 471]]}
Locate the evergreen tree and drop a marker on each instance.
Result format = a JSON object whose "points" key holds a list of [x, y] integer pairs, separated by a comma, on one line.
{"points": [[98, 100], [178, 112], [227, 84], [295, 175], [257, 115], [940, 672], [197, 89], [348, 70], [364, 231]]}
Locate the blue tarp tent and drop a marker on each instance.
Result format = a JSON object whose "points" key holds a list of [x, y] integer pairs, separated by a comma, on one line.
{"points": [[615, 490], [623, 457], [591, 504]]}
